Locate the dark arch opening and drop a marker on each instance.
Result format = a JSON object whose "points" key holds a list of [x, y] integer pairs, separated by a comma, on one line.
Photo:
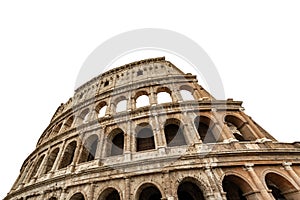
{"points": [[110, 194], [51, 159], [68, 124], [281, 188], [89, 149], [150, 192], [239, 129], [189, 191], [145, 137], [117, 143], [174, 133], [235, 187], [77, 196], [37, 166], [68, 155], [205, 127]]}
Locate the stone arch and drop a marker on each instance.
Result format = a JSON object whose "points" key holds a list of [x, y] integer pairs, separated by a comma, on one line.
{"points": [[206, 129], [52, 198], [77, 196], [144, 137], [187, 93], [237, 187], [68, 123], [280, 186], [164, 95], [115, 142], [174, 132], [101, 109], [109, 194], [56, 129], [37, 166], [148, 191], [68, 155], [51, 159], [83, 116], [239, 128], [89, 149], [121, 104], [141, 99], [190, 189]]}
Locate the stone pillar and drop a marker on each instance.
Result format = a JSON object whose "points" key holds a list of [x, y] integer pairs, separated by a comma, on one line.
{"points": [[43, 164], [216, 191], [190, 132], [168, 186], [152, 97], [58, 158], [225, 132], [256, 131], [264, 193], [127, 142], [76, 154], [158, 133], [91, 192], [292, 173], [126, 194]]}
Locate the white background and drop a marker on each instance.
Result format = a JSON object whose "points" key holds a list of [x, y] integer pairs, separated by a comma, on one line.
{"points": [[255, 47]]}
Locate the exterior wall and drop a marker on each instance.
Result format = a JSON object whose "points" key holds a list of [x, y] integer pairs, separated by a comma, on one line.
{"points": [[205, 164]]}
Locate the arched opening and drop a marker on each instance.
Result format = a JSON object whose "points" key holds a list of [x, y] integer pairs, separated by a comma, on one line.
{"points": [[121, 105], [189, 190], [52, 198], [56, 129], [240, 130], [101, 109], [37, 166], [144, 137], [186, 93], [109, 194], [149, 192], [77, 196], [68, 124], [174, 133], [205, 128], [281, 188], [235, 188], [51, 159], [117, 142], [84, 116], [89, 149], [163, 97], [68, 155], [142, 101]]}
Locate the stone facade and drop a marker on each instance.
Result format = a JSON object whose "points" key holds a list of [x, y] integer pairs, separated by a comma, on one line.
{"points": [[102, 144]]}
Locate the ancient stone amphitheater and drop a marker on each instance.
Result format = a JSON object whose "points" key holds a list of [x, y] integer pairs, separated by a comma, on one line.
{"points": [[148, 131]]}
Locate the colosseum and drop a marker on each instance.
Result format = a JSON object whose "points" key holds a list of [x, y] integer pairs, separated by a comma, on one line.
{"points": [[148, 131]]}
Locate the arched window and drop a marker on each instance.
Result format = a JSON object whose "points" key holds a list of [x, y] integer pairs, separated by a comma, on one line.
{"points": [[186, 93], [121, 105], [68, 124], [56, 129], [51, 159], [239, 129], [281, 188], [117, 142], [148, 191], [174, 133], [89, 149], [236, 188], [164, 97], [101, 109], [189, 190], [37, 166], [144, 137], [205, 129], [141, 101], [77, 196], [109, 194], [84, 115], [68, 155]]}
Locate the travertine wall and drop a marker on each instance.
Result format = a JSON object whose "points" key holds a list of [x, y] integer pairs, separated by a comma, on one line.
{"points": [[190, 147]]}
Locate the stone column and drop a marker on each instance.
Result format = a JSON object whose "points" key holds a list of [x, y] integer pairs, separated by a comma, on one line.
{"points": [[158, 133], [152, 97], [292, 173], [264, 193], [76, 154], [256, 131], [216, 191], [91, 193], [127, 192], [58, 158], [127, 142]]}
